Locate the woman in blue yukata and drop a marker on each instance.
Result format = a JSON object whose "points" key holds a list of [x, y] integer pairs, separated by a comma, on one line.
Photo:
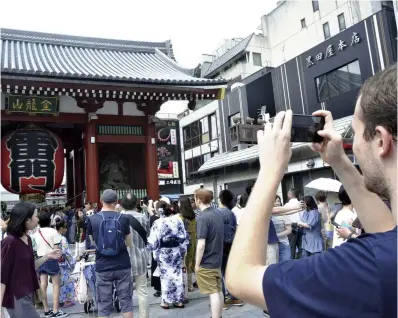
{"points": [[169, 240], [311, 222], [66, 265]]}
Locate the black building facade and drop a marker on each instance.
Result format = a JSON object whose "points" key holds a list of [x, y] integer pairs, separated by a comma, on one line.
{"points": [[329, 75], [246, 101]]}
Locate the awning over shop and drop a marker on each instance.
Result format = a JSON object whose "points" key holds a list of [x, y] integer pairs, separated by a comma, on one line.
{"points": [[342, 125]]}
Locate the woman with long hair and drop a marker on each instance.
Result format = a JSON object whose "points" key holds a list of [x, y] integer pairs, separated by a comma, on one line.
{"points": [[168, 240], [80, 237], [311, 222], [188, 217], [66, 265], [18, 266]]}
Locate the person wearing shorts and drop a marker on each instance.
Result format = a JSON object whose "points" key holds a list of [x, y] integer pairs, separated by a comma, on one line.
{"points": [[112, 271], [47, 240], [209, 251]]}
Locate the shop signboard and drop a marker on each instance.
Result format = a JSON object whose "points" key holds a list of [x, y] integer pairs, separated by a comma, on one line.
{"points": [[169, 160]]}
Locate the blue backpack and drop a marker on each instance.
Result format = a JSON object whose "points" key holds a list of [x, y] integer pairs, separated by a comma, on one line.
{"points": [[110, 238]]}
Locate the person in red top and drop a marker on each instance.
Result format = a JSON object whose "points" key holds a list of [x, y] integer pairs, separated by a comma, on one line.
{"points": [[18, 265]]}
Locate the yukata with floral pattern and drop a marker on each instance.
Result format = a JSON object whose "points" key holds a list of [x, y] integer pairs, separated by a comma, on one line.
{"points": [[67, 292], [170, 260]]}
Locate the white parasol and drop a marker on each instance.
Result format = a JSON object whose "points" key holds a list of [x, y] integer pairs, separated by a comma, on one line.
{"points": [[325, 184]]}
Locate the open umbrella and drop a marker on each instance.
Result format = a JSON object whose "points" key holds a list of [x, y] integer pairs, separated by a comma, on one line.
{"points": [[325, 184]]}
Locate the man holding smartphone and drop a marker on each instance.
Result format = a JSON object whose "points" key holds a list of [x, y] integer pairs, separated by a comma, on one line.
{"points": [[359, 278]]}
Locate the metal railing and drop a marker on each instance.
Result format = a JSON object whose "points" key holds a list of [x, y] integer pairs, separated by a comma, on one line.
{"points": [[139, 193], [243, 133]]}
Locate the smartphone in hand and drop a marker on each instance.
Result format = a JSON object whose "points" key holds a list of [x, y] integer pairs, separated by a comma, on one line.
{"points": [[335, 224], [305, 128]]}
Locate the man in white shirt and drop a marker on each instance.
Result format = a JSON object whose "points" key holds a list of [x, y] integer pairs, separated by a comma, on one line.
{"points": [[139, 256]]}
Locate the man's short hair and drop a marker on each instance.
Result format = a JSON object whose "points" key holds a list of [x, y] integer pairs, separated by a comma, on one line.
{"points": [[44, 219], [109, 196], [320, 196], [295, 192], [129, 201], [244, 198], [205, 196], [378, 101], [226, 198]]}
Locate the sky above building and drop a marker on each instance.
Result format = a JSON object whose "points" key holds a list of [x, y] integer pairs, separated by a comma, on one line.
{"points": [[194, 27]]}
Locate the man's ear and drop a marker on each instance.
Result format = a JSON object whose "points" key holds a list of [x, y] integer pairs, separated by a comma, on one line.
{"points": [[384, 141]]}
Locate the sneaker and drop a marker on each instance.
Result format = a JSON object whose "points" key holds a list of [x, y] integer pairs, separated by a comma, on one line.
{"points": [[59, 314], [157, 294], [234, 302], [48, 313]]}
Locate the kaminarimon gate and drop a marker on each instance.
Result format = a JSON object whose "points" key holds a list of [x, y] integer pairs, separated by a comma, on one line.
{"points": [[92, 101]]}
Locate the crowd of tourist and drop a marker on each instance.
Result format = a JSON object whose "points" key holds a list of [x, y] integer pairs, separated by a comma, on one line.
{"points": [[307, 258]]}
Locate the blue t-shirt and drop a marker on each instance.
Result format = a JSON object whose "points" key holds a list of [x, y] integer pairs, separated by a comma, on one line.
{"points": [[229, 224], [272, 237], [356, 279], [109, 263]]}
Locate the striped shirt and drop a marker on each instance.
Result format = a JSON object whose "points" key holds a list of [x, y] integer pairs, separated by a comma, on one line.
{"points": [[139, 256]]}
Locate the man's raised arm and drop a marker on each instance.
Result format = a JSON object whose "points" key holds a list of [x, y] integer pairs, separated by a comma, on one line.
{"points": [[372, 211]]}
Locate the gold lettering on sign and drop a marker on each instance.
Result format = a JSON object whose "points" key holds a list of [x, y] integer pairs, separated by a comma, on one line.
{"points": [[17, 105], [34, 104], [46, 106]]}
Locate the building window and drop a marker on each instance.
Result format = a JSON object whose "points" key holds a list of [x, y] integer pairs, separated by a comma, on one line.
{"points": [[204, 130], [192, 135], [326, 30], [303, 25], [341, 19], [338, 82], [188, 167], [194, 164], [315, 6], [202, 135], [257, 59], [206, 157], [213, 127]]}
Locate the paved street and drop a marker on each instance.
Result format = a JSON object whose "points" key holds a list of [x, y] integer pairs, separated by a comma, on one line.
{"points": [[197, 307]]}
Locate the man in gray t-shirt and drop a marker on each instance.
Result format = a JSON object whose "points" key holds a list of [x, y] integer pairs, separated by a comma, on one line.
{"points": [[209, 251], [210, 227]]}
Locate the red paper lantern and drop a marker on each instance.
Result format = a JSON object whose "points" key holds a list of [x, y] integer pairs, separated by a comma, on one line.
{"points": [[32, 161]]}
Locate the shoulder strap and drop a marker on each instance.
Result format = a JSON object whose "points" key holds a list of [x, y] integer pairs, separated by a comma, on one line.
{"points": [[136, 225], [41, 234]]}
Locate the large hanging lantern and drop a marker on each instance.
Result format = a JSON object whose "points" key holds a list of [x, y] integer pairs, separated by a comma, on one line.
{"points": [[32, 161]]}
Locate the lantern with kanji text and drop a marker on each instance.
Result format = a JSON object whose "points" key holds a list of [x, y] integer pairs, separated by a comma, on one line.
{"points": [[32, 161]]}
